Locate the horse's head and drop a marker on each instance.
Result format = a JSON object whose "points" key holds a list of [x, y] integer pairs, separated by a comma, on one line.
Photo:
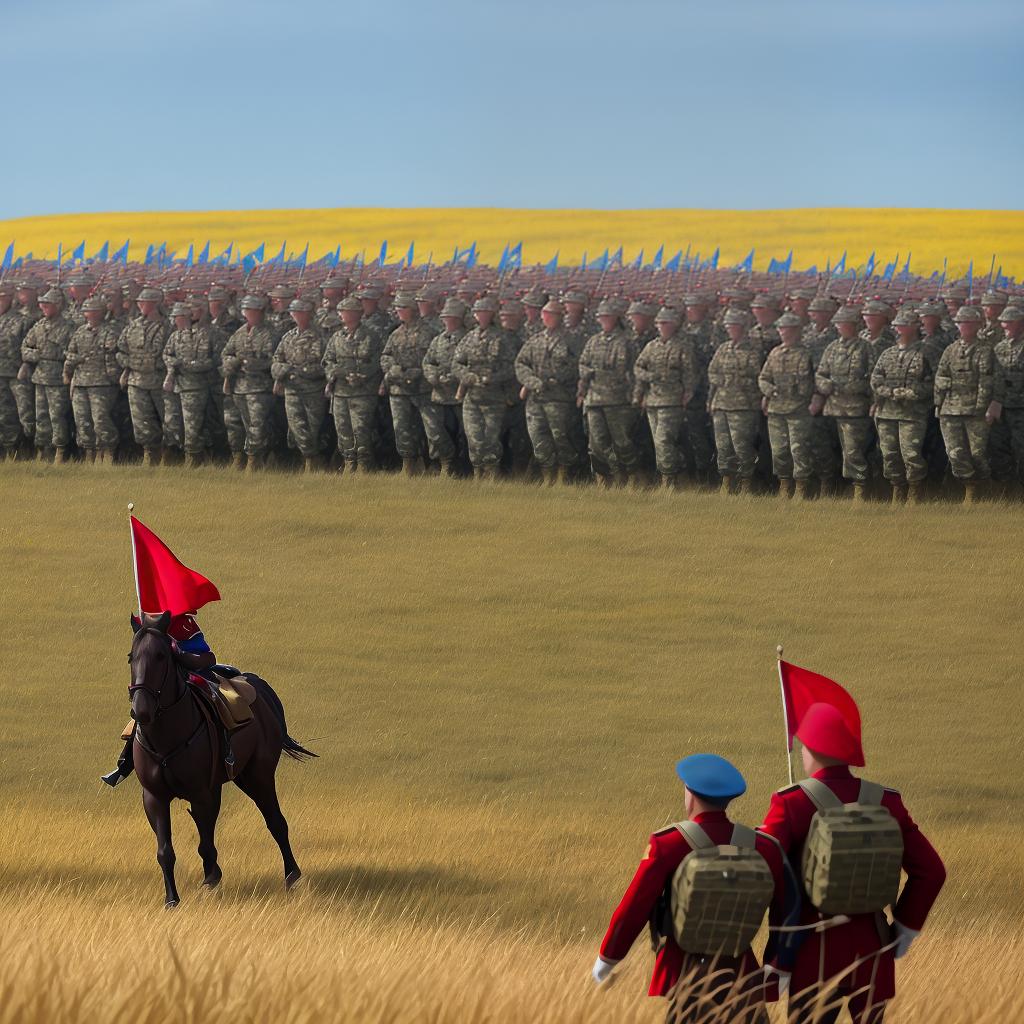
{"points": [[154, 670]]}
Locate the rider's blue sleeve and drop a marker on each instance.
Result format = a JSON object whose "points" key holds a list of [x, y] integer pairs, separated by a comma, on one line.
{"points": [[194, 645]]}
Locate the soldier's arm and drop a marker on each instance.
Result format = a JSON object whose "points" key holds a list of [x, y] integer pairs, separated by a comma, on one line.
{"points": [[460, 364], [943, 381], [29, 351], [505, 371], [525, 373], [229, 359], [431, 367], [714, 371], [879, 387], [924, 387], [71, 357], [986, 383], [777, 822], [926, 874], [586, 366], [823, 375], [998, 383], [330, 360], [808, 377], [171, 358], [688, 372], [280, 367], [766, 379]]}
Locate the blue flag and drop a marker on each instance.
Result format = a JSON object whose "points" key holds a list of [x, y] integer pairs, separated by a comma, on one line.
{"points": [[905, 274], [515, 256], [9, 258], [471, 256], [601, 263], [204, 255], [409, 255], [225, 257], [747, 265], [616, 258], [658, 256], [773, 265], [149, 254], [673, 264], [189, 256], [78, 253], [383, 253], [787, 264], [840, 268], [504, 259], [552, 266], [890, 269], [970, 277], [303, 256], [869, 267], [639, 261], [279, 258], [258, 252], [248, 264], [812, 271], [102, 253], [713, 262], [121, 256]]}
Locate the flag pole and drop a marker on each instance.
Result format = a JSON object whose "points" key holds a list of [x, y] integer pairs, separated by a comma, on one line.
{"points": [[785, 714], [135, 560]]}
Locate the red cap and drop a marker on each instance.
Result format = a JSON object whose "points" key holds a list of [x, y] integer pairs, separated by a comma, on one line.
{"points": [[183, 627], [824, 731]]}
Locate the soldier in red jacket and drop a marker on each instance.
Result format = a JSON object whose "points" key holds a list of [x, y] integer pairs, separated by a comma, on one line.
{"points": [[710, 784], [854, 960]]}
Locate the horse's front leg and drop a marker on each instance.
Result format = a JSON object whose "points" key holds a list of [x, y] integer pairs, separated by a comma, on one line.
{"points": [[159, 814], [204, 812]]}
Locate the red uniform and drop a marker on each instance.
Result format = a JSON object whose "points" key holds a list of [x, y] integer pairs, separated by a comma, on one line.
{"points": [[665, 853], [825, 954]]}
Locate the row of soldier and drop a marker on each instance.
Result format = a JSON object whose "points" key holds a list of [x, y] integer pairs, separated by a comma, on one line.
{"points": [[818, 393]]}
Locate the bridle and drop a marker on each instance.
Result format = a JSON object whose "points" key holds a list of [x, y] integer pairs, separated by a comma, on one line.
{"points": [[155, 693]]}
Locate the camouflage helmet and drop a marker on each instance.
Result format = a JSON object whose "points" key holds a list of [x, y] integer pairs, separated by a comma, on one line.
{"points": [[453, 307], [667, 315], [575, 295], [876, 307], [994, 298], [1012, 313], [968, 314], [696, 299], [367, 291], [94, 303], [281, 291], [535, 298], [512, 306], [405, 300], [803, 292], [735, 316], [150, 295], [789, 320], [28, 284], [426, 294], [181, 309], [822, 304], [846, 315], [486, 304], [954, 291], [906, 318], [553, 306], [80, 279], [300, 305], [334, 284], [218, 293], [931, 309], [52, 297], [351, 303], [764, 301], [640, 308], [607, 307], [253, 301]]}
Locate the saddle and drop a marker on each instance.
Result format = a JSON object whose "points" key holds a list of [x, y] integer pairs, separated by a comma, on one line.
{"points": [[233, 698]]}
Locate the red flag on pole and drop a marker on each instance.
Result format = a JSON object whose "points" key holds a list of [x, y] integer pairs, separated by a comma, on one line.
{"points": [[801, 688], [162, 583]]}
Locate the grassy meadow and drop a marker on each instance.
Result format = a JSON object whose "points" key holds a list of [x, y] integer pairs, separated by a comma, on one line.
{"points": [[498, 679], [814, 235]]}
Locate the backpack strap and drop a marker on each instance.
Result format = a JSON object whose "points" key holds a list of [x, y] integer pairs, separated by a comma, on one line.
{"points": [[871, 793], [819, 794], [743, 837], [694, 835]]}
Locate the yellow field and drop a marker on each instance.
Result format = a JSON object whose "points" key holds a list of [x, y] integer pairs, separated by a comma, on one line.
{"points": [[498, 679], [815, 235]]}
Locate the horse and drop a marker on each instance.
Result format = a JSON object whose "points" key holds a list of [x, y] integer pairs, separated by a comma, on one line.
{"points": [[177, 753]]}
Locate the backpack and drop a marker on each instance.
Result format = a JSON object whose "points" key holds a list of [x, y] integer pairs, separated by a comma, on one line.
{"points": [[853, 852], [719, 894]]}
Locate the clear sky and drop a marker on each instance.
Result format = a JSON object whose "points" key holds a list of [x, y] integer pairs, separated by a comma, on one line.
{"points": [[234, 104]]}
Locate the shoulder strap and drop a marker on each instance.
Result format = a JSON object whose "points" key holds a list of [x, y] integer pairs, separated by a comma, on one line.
{"points": [[694, 835], [743, 837], [820, 795], [870, 793]]}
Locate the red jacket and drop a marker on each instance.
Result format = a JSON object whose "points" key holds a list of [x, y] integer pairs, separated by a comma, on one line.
{"points": [[788, 820], [664, 854]]}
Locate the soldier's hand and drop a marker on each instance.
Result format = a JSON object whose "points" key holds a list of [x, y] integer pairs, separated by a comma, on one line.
{"points": [[993, 413], [524, 392], [25, 371], [872, 410], [66, 378], [903, 936], [124, 381], [764, 405], [579, 401], [382, 390], [329, 389]]}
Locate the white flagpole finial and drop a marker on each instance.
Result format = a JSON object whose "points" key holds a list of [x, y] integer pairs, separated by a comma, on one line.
{"points": [[131, 508], [778, 650]]}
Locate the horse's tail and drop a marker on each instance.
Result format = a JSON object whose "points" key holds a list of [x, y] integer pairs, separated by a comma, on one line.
{"points": [[294, 750]]}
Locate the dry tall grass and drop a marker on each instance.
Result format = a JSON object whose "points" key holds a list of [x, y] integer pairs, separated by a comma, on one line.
{"points": [[815, 235], [498, 679]]}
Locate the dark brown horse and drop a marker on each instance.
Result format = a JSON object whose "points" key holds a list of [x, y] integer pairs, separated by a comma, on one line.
{"points": [[177, 753]]}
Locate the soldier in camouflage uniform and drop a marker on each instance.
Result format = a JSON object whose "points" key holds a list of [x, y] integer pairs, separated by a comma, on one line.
{"points": [[763, 333], [818, 333], [735, 402], [352, 367], [374, 318], [484, 365], [799, 302], [43, 352], [843, 380], [547, 367], [933, 334], [577, 320], [298, 371], [787, 383], [515, 437], [439, 371], [641, 319], [409, 390], [191, 357], [12, 327], [24, 391], [992, 305], [963, 391], [91, 369], [902, 383], [279, 319], [245, 366], [605, 393], [697, 439], [79, 288], [332, 291], [666, 379], [533, 302], [1007, 408], [877, 331], [426, 303]]}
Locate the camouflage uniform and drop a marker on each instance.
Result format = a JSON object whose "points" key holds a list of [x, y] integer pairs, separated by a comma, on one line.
{"points": [[1007, 439], [484, 365], [191, 357], [902, 383], [44, 348], [140, 351], [787, 382], [765, 337], [666, 377], [824, 437], [992, 331], [439, 372], [844, 378], [91, 363], [24, 390], [352, 366], [606, 386], [698, 440], [548, 367], [245, 364], [12, 329], [735, 399], [298, 365], [963, 390]]}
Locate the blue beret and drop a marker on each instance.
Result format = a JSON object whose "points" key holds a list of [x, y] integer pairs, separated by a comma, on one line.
{"points": [[711, 776]]}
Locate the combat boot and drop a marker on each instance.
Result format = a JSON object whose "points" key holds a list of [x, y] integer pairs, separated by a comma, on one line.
{"points": [[238, 460], [899, 494], [60, 456], [549, 475], [726, 485], [41, 455], [785, 488], [489, 473], [255, 462], [349, 466], [746, 486], [149, 457], [860, 493], [669, 482], [10, 453], [410, 467], [448, 469], [564, 475], [308, 466], [915, 492], [193, 460], [804, 490], [829, 487], [972, 491]]}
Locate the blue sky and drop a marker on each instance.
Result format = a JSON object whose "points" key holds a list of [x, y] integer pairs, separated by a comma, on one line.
{"points": [[229, 105]]}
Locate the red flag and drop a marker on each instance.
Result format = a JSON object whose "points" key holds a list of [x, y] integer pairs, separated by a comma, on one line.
{"points": [[802, 688], [162, 582]]}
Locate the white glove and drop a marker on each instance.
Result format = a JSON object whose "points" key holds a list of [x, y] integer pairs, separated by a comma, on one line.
{"points": [[603, 969], [783, 976], [904, 937]]}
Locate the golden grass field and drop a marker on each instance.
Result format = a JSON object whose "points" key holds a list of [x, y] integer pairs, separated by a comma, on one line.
{"points": [[498, 679], [815, 235]]}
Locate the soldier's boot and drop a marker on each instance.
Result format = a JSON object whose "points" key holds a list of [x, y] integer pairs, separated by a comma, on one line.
{"points": [[10, 453], [972, 491], [193, 460], [604, 481], [238, 460], [125, 765], [309, 465], [915, 492], [860, 492], [448, 469], [634, 482], [726, 485], [899, 494], [564, 475], [489, 473], [785, 488], [669, 482], [411, 467], [60, 455], [41, 454], [746, 485], [548, 475], [349, 466], [149, 457], [804, 490]]}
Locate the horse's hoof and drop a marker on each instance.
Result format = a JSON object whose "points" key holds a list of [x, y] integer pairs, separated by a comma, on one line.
{"points": [[292, 879], [208, 887], [170, 904]]}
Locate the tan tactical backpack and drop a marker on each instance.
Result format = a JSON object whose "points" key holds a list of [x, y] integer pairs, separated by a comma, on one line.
{"points": [[719, 893], [853, 852]]}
